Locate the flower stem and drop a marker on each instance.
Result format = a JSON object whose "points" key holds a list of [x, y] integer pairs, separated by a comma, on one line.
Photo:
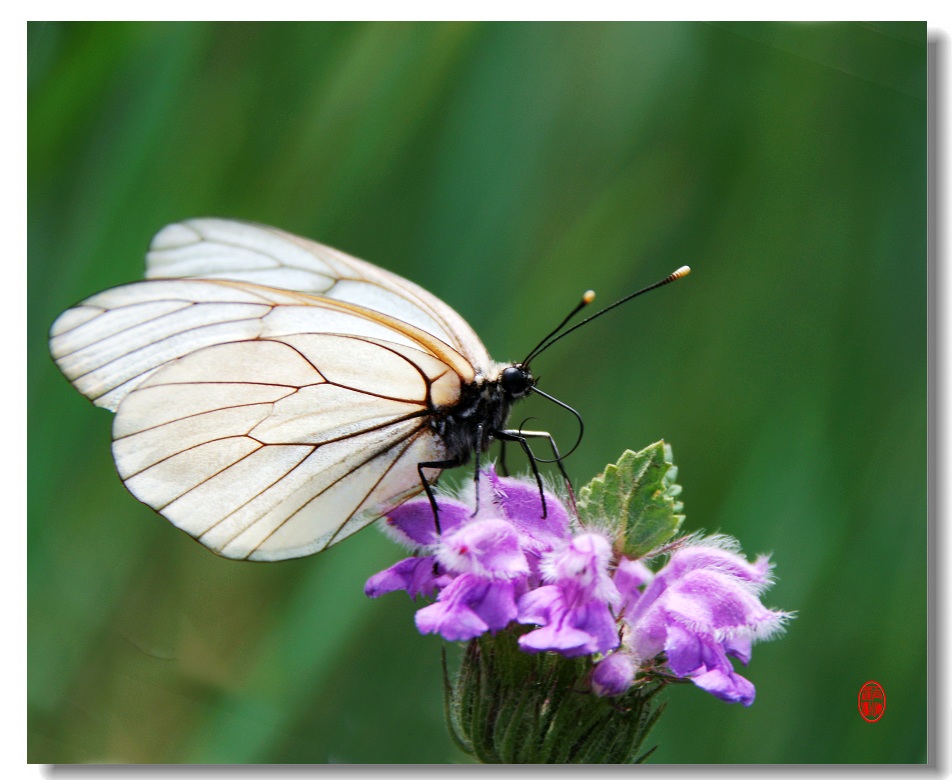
{"points": [[507, 706]]}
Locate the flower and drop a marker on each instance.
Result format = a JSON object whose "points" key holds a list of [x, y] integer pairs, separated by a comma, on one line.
{"points": [[487, 566], [499, 562], [613, 675], [576, 614], [702, 607], [573, 612]]}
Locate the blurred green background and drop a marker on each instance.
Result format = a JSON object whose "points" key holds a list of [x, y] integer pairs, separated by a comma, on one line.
{"points": [[507, 168]]}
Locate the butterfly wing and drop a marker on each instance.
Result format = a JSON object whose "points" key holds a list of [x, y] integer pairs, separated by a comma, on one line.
{"points": [[211, 248], [277, 448], [266, 423], [110, 343]]}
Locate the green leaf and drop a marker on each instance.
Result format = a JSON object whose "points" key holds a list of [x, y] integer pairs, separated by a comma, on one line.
{"points": [[635, 500]]}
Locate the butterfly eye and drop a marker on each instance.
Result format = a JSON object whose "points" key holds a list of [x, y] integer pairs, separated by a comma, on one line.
{"points": [[516, 381]]}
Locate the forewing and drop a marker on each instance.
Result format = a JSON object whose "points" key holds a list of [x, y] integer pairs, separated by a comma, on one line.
{"points": [[114, 341], [224, 249], [278, 447]]}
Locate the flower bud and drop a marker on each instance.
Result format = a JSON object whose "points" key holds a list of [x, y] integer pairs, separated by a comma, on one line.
{"points": [[613, 675]]}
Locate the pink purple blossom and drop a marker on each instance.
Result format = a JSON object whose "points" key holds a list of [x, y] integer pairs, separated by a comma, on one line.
{"points": [[505, 565]]}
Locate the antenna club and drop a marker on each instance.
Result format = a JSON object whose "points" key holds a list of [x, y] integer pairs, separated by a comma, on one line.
{"points": [[588, 296], [683, 271]]}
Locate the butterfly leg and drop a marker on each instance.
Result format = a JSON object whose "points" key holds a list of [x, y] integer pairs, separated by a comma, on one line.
{"points": [[428, 489], [555, 449], [520, 438], [557, 460], [477, 456], [503, 468]]}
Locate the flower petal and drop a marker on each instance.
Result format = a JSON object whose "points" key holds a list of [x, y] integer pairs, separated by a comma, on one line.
{"points": [[414, 575], [412, 523], [497, 605], [536, 606], [488, 547], [453, 616], [703, 660], [740, 647], [647, 636], [453, 622], [711, 601], [519, 500], [558, 638], [582, 568], [728, 686], [566, 628], [629, 577], [595, 618], [691, 653], [712, 558]]}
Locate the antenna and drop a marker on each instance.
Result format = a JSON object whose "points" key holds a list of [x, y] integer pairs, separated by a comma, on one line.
{"points": [[587, 298]]}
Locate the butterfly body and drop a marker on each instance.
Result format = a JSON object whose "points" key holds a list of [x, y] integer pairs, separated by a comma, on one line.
{"points": [[477, 418], [268, 421]]}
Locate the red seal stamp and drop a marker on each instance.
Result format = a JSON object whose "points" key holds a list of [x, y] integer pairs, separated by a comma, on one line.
{"points": [[872, 701]]}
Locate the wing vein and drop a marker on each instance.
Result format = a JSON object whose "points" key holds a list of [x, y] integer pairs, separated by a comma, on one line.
{"points": [[84, 322], [361, 432], [222, 470], [393, 351], [196, 446], [381, 451], [242, 382], [278, 262], [199, 414], [153, 344], [136, 325], [265, 489]]}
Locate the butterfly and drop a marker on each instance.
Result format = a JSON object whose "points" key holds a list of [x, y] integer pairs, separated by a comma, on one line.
{"points": [[273, 395]]}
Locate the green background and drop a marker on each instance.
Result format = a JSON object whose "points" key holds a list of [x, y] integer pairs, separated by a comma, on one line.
{"points": [[507, 168]]}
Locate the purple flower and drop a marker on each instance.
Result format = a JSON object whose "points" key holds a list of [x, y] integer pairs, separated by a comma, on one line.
{"points": [[701, 608], [411, 524], [417, 576], [469, 606], [613, 675], [489, 548], [519, 502], [489, 565], [507, 564], [573, 612]]}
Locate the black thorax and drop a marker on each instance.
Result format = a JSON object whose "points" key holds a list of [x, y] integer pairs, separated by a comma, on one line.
{"points": [[481, 411]]}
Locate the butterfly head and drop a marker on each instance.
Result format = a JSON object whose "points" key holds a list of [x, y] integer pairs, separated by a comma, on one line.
{"points": [[516, 381]]}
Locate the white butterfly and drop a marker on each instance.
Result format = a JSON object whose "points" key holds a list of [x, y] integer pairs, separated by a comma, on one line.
{"points": [[268, 423], [274, 395]]}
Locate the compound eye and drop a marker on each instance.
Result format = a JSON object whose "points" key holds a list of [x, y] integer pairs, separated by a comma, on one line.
{"points": [[516, 381]]}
